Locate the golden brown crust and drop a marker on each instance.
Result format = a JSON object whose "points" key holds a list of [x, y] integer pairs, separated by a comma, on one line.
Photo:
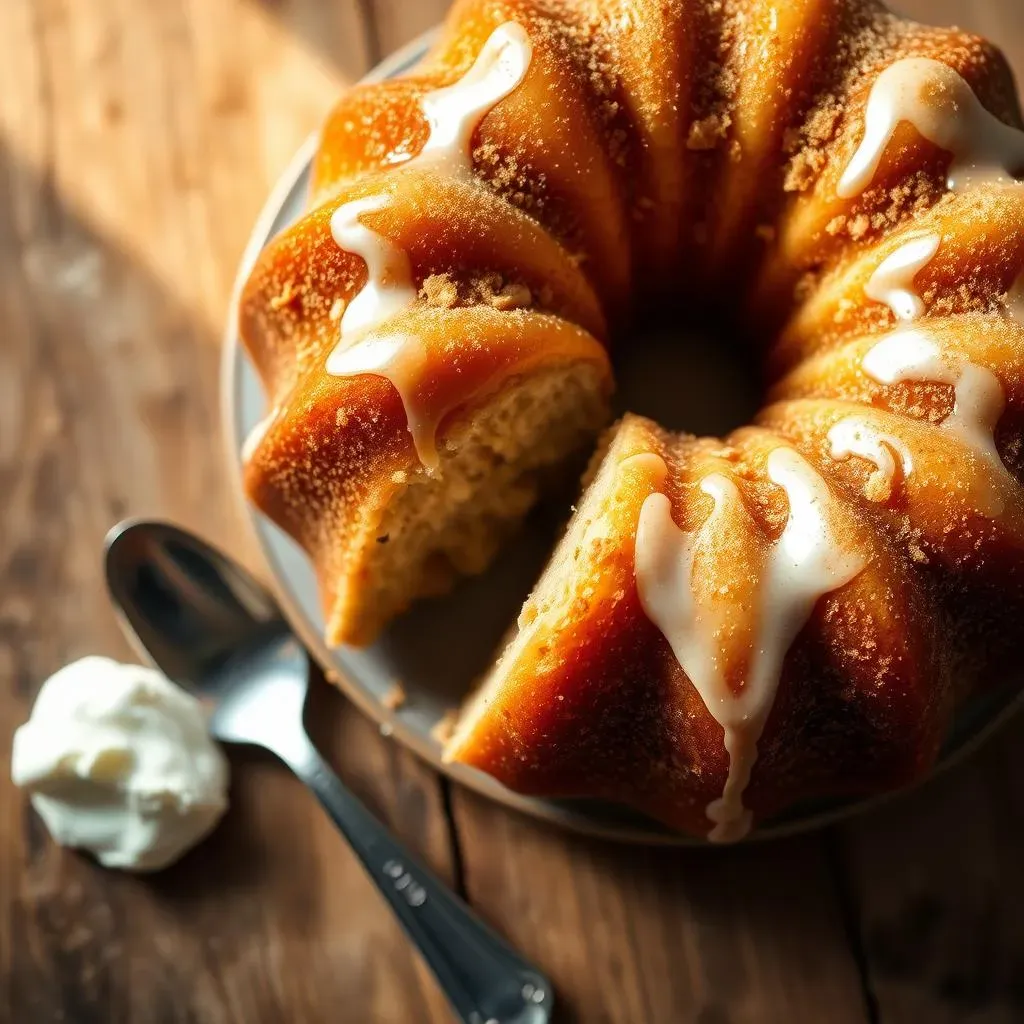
{"points": [[816, 228], [979, 257], [340, 450], [288, 314], [593, 702], [693, 147]]}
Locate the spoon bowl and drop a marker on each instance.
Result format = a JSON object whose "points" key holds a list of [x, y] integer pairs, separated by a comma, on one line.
{"points": [[209, 626]]}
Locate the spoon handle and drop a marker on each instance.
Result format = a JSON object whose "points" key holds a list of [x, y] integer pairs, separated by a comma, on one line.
{"points": [[485, 980]]}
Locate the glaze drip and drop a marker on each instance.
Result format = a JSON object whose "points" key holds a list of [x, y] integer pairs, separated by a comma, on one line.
{"points": [[807, 561], [945, 111], [455, 111], [388, 291], [389, 286], [892, 283], [401, 359], [978, 399], [856, 436], [912, 354], [453, 114]]}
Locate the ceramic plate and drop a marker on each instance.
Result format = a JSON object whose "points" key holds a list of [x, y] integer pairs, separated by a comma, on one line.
{"points": [[439, 649]]}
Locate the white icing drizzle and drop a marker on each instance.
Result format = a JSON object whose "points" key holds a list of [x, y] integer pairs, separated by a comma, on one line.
{"points": [[453, 114], [944, 109], [855, 435], [389, 288], [912, 354], [893, 280], [805, 563], [978, 398], [401, 359], [258, 432]]}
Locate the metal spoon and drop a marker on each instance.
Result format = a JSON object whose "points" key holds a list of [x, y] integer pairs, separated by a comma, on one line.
{"points": [[209, 626]]}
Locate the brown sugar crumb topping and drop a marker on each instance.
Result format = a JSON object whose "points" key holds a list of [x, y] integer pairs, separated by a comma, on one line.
{"points": [[444, 291], [706, 132], [803, 170], [858, 226], [440, 291], [511, 296], [878, 487]]}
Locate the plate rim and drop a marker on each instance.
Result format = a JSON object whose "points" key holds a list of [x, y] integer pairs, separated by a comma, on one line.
{"points": [[553, 812]]}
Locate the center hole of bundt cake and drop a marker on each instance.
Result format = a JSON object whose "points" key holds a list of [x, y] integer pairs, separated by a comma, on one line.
{"points": [[688, 373]]}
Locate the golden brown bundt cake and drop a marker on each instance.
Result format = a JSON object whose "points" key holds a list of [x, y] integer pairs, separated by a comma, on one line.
{"points": [[729, 626], [639, 644]]}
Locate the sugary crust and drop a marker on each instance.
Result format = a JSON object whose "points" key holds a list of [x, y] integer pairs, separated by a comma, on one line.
{"points": [[292, 303], [694, 149], [979, 257], [330, 463], [592, 700], [817, 228]]}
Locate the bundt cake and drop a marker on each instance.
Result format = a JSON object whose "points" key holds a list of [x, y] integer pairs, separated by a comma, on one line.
{"points": [[727, 627]]}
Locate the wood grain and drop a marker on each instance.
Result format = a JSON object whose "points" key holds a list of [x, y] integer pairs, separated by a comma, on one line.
{"points": [[939, 890], [137, 142], [739, 935]]}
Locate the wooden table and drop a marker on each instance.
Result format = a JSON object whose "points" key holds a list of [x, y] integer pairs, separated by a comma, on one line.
{"points": [[137, 142]]}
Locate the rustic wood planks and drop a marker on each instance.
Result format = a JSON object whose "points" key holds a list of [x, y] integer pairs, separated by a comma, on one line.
{"points": [[137, 142]]}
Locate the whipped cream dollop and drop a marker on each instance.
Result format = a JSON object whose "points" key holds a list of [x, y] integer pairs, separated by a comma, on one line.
{"points": [[118, 760]]}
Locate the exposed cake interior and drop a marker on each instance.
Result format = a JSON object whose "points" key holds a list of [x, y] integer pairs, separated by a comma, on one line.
{"points": [[558, 592], [735, 624], [494, 459]]}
